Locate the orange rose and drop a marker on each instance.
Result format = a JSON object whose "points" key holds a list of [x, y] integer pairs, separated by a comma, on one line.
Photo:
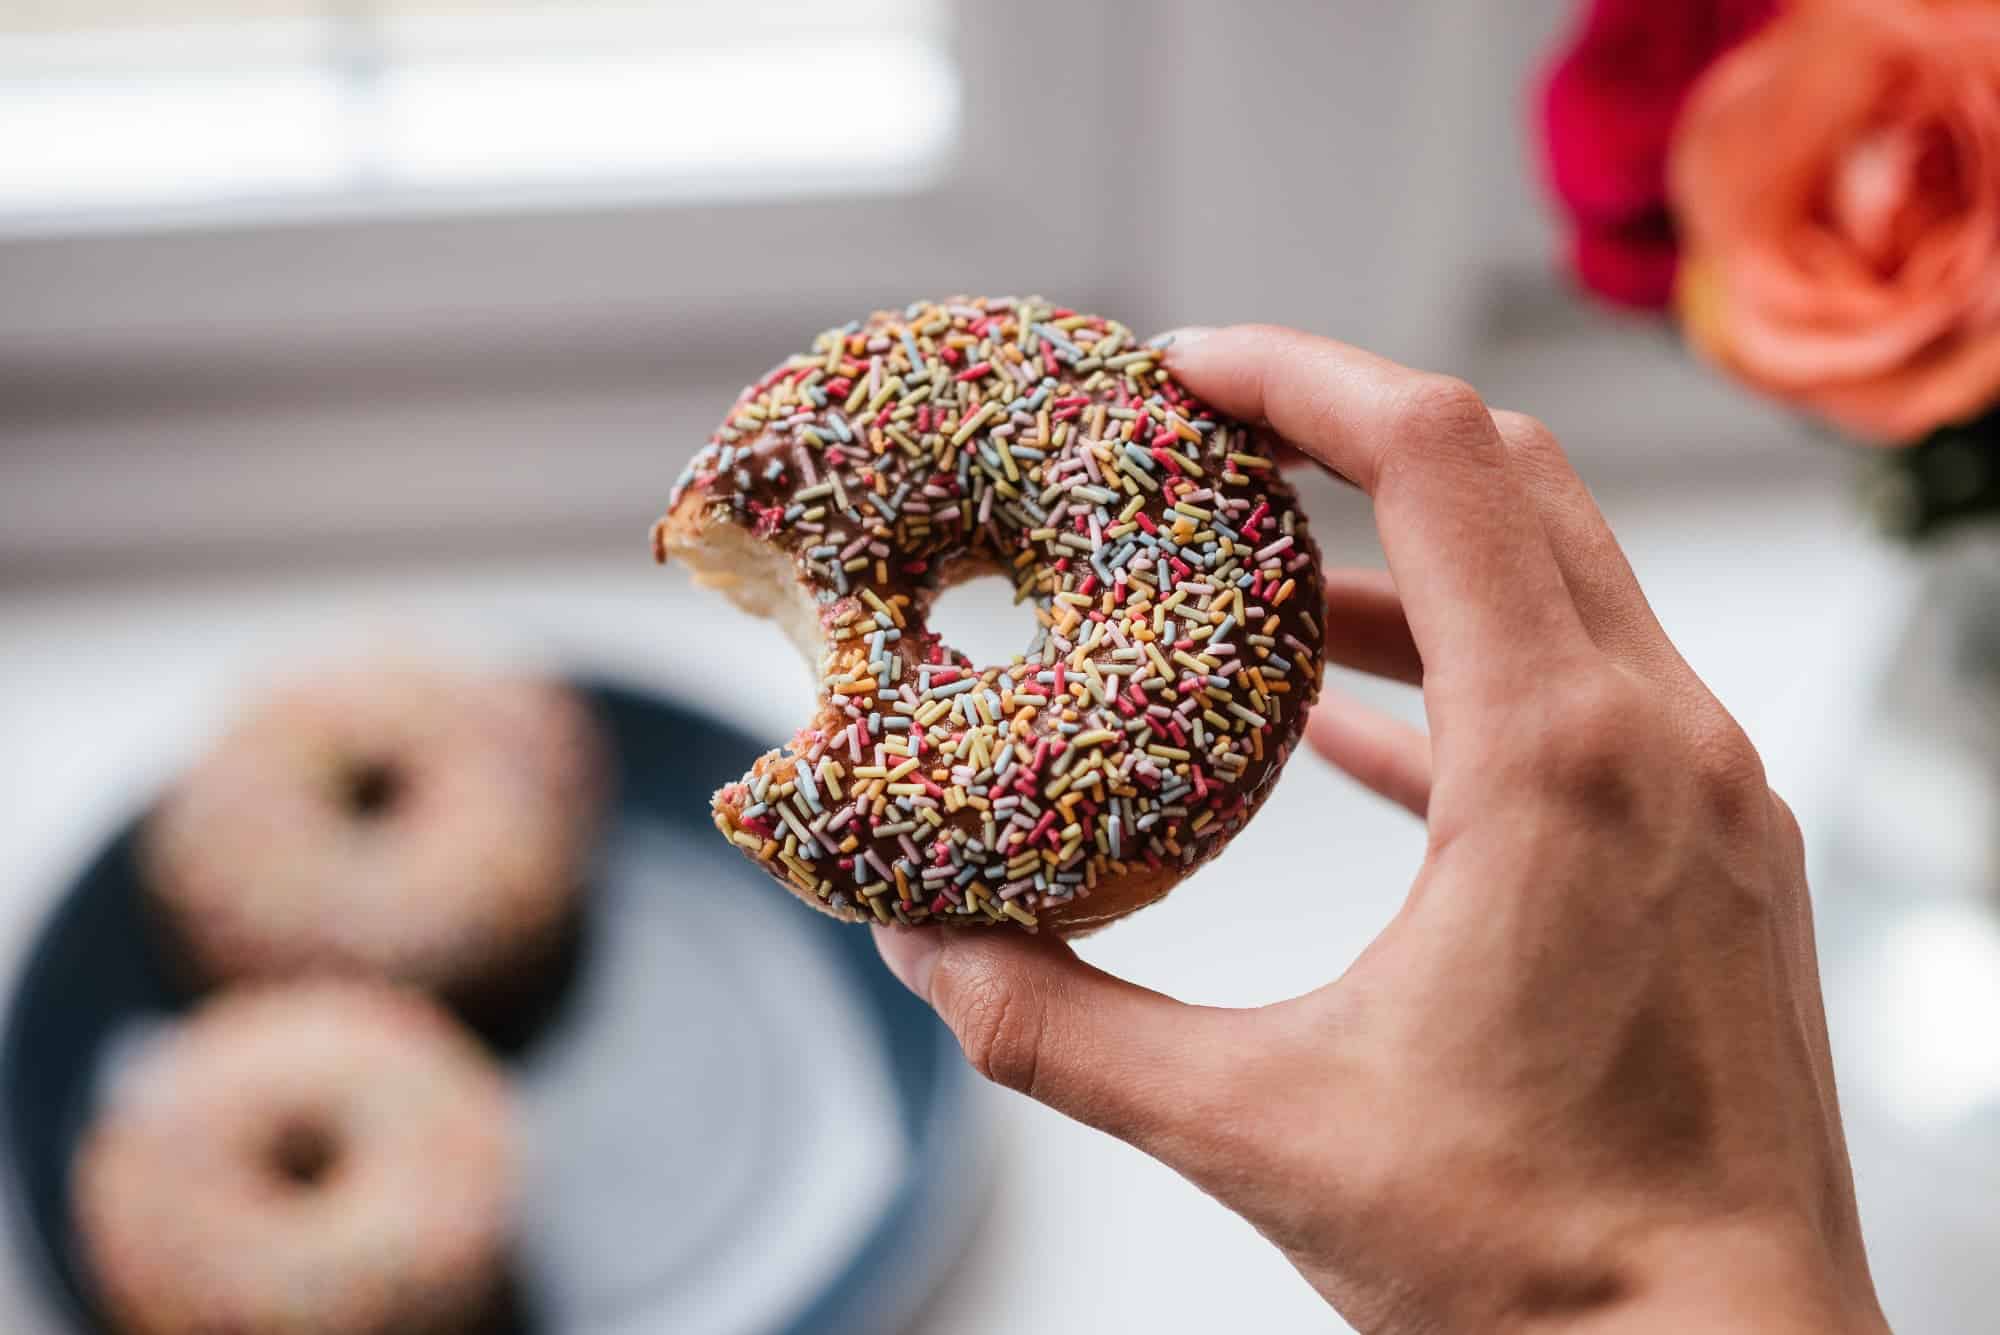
{"points": [[1837, 183]]}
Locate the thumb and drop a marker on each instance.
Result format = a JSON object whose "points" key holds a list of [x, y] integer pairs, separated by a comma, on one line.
{"points": [[1031, 1016]]}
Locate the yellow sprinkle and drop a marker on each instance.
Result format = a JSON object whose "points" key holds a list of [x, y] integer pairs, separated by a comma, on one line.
{"points": [[1192, 664], [973, 423]]}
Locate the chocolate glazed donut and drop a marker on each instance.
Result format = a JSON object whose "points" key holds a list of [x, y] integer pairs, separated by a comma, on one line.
{"points": [[1174, 582]]}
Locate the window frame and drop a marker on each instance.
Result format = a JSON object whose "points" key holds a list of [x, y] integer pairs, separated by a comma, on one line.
{"points": [[204, 286]]}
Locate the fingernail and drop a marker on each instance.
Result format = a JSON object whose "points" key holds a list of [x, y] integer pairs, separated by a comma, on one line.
{"points": [[911, 954], [1179, 338]]}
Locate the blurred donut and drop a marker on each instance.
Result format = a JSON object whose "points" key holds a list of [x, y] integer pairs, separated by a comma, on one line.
{"points": [[332, 1157], [425, 826]]}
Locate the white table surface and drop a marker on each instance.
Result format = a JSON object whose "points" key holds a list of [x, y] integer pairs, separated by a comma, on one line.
{"points": [[1775, 595]]}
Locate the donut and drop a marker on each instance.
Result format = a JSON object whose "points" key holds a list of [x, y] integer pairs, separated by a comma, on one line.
{"points": [[1175, 589], [334, 1157], [428, 826]]}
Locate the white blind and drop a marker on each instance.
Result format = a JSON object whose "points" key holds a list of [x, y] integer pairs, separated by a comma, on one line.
{"points": [[148, 104]]}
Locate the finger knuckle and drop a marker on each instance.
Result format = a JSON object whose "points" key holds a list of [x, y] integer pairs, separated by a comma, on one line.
{"points": [[1527, 435], [1436, 420], [1727, 771], [1531, 446], [1442, 403], [995, 1025], [1594, 752], [1785, 822]]}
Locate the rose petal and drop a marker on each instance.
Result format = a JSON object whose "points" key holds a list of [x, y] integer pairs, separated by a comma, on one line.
{"points": [[1837, 185]]}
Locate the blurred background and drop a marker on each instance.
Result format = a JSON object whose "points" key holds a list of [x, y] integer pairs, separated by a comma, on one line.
{"points": [[326, 323]]}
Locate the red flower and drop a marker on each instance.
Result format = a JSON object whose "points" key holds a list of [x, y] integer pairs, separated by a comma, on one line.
{"points": [[1608, 111]]}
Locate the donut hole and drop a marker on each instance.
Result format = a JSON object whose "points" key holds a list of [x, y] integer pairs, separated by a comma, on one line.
{"points": [[304, 1154], [371, 789], [977, 616]]}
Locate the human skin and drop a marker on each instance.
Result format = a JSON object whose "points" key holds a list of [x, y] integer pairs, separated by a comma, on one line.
{"points": [[1581, 1081]]}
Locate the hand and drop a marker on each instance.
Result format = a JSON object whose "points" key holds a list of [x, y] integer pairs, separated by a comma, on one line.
{"points": [[1582, 1078]]}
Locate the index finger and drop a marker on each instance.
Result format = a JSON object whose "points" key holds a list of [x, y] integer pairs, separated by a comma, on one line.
{"points": [[1480, 585]]}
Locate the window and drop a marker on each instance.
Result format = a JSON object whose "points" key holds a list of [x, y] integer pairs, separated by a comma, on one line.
{"points": [[123, 111], [278, 270]]}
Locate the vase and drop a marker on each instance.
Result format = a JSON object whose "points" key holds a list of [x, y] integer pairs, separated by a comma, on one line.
{"points": [[1907, 902]]}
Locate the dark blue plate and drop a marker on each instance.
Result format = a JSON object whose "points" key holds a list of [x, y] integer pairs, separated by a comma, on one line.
{"points": [[737, 1120]]}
